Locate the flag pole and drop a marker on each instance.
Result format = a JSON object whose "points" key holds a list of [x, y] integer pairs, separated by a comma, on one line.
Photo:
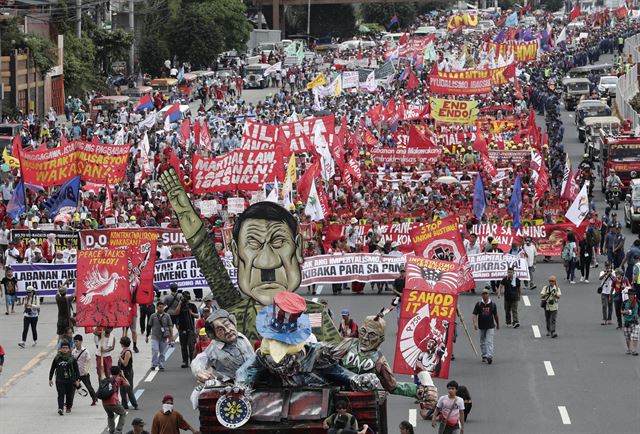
{"points": [[466, 330]]}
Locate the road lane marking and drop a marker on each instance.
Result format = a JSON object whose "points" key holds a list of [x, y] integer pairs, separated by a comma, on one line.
{"points": [[314, 299], [6, 387], [549, 368], [139, 393], [168, 353], [413, 417], [564, 415], [536, 331], [525, 299], [151, 376], [319, 290]]}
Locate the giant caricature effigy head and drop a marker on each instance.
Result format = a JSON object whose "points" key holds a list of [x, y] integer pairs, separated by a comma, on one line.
{"points": [[267, 250], [221, 326], [371, 333]]}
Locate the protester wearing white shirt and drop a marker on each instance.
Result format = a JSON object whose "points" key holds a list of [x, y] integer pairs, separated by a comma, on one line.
{"points": [[530, 253]]}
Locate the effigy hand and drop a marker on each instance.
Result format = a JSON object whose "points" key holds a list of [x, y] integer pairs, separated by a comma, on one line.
{"points": [[189, 220]]}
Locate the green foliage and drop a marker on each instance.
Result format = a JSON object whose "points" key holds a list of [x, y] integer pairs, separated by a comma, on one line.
{"points": [[196, 38], [382, 13], [42, 53], [374, 28], [153, 52], [111, 46], [206, 28], [552, 5], [80, 74], [326, 20]]}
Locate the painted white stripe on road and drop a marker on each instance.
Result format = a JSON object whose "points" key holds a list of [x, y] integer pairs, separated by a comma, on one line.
{"points": [[536, 331], [319, 289], [151, 376], [564, 415], [549, 368], [413, 417], [525, 299], [314, 299], [139, 393], [168, 353]]}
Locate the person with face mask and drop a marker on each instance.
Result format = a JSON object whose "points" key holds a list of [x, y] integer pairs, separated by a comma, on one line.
{"points": [[169, 421], [65, 368]]}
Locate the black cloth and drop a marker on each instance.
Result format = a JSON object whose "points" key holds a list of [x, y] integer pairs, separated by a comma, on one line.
{"points": [[86, 380], [9, 285], [487, 314], [127, 370], [30, 322], [65, 367], [66, 392], [511, 291], [186, 321], [398, 284]]}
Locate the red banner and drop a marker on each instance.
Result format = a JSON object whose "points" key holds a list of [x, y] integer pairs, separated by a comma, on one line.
{"points": [[102, 289], [425, 332], [299, 134], [441, 240], [94, 162], [398, 232], [406, 155], [141, 245], [498, 76], [548, 238], [237, 170], [259, 137]]}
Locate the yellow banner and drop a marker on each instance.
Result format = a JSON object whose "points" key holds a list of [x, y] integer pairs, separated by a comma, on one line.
{"points": [[12, 162], [318, 81], [457, 21], [451, 110]]}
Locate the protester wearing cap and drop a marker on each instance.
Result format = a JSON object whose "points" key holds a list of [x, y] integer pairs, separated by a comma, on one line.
{"points": [[202, 343], [348, 328], [352, 234], [12, 254], [9, 287], [227, 351], [170, 421], [138, 427], [31, 314], [160, 328], [29, 252]]}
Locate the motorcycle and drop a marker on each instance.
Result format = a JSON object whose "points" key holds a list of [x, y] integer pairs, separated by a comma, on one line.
{"points": [[613, 196]]}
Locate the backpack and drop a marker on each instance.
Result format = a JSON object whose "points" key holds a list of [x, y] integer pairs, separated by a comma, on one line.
{"points": [[566, 252], [106, 389]]}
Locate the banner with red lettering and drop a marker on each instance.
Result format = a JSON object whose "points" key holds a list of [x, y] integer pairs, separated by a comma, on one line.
{"points": [[548, 238], [406, 155], [237, 170], [103, 297], [398, 232], [455, 111], [459, 86], [141, 245], [427, 317], [259, 137], [300, 134], [441, 240], [498, 76], [94, 162], [522, 51]]}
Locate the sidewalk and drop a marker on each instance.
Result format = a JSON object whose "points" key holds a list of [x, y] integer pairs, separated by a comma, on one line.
{"points": [[25, 396]]}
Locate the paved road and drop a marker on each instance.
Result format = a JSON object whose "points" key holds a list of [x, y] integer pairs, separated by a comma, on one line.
{"points": [[581, 382]]}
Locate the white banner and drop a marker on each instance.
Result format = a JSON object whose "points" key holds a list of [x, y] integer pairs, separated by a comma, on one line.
{"points": [[350, 79], [494, 266], [351, 267], [186, 273], [235, 205]]}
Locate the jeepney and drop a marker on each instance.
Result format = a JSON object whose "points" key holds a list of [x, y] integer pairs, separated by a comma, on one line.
{"points": [[596, 130], [574, 90]]}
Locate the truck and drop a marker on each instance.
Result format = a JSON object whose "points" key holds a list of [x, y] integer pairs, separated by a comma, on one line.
{"points": [[262, 36], [297, 410], [621, 153]]}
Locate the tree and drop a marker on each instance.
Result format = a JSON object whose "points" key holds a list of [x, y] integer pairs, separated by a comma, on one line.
{"points": [[195, 37], [80, 73], [111, 46], [153, 51], [42, 52], [382, 13]]}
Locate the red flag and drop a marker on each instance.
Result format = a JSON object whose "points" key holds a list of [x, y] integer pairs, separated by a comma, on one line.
{"points": [[304, 183], [375, 113], [417, 139], [543, 181], [480, 145], [622, 12], [369, 139], [403, 39], [336, 147], [571, 188], [196, 133], [174, 162], [185, 133], [205, 137], [487, 165], [516, 87], [412, 82], [391, 115], [107, 208], [575, 12], [354, 169]]}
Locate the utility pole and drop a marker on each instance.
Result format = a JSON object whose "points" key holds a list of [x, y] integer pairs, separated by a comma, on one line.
{"points": [[133, 33], [308, 19], [78, 19]]}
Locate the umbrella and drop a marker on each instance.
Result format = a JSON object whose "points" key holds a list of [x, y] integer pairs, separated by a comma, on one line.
{"points": [[447, 180]]}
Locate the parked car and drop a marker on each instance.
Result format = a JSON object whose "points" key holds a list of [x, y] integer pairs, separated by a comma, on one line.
{"points": [[254, 76]]}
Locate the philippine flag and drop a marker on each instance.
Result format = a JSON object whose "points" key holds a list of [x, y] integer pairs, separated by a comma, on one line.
{"points": [[144, 103], [173, 113]]}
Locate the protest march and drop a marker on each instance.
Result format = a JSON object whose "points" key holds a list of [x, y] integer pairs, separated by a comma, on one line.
{"points": [[332, 230]]}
